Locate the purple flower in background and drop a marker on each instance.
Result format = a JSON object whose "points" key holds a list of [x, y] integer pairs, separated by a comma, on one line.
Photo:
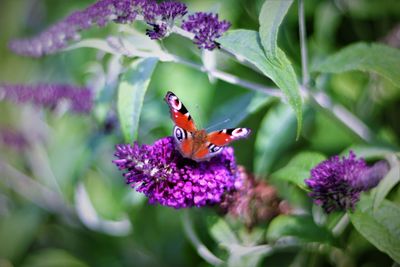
{"points": [[163, 18], [206, 27], [165, 177], [49, 95], [372, 176], [171, 10], [100, 13], [151, 11], [13, 139], [336, 183], [158, 31]]}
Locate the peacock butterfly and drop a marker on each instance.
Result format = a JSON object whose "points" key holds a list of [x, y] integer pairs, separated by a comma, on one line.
{"points": [[197, 144]]}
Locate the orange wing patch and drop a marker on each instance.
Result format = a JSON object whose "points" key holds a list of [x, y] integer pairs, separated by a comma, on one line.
{"points": [[181, 120], [201, 154], [186, 147], [179, 114]]}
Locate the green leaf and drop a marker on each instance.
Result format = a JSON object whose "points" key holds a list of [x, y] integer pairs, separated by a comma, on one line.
{"points": [[223, 234], [238, 109], [391, 179], [53, 258], [239, 255], [247, 44], [201, 249], [106, 199], [68, 153], [327, 19], [300, 227], [299, 168], [131, 91], [380, 227], [247, 256], [276, 134], [17, 232], [99, 44], [376, 58], [271, 16]]}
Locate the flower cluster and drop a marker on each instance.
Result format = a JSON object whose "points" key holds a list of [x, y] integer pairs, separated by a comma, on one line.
{"points": [[336, 183], [57, 36], [13, 139], [161, 17], [206, 28], [253, 201], [49, 95], [164, 18], [165, 177]]}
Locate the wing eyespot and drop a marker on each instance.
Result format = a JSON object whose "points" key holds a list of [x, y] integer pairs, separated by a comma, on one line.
{"points": [[175, 102], [214, 149], [240, 132], [179, 134]]}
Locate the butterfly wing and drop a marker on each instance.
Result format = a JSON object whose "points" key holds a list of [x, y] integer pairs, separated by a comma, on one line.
{"points": [[203, 153], [226, 136], [184, 125], [179, 114], [218, 139], [195, 144], [183, 141]]}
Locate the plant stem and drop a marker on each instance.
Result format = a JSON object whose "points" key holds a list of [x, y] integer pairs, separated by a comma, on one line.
{"points": [[33, 191], [320, 99], [202, 250], [229, 78], [341, 225], [303, 45], [343, 115]]}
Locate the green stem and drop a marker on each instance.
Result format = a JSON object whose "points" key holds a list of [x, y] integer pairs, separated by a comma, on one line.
{"points": [[341, 225], [202, 250], [303, 45], [33, 190]]}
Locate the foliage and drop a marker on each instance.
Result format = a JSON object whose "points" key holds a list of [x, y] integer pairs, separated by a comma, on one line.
{"points": [[64, 203]]}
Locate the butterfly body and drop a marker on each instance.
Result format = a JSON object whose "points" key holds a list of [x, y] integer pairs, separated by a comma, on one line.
{"points": [[197, 144]]}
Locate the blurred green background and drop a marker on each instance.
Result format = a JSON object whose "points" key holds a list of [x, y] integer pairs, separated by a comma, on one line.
{"points": [[48, 223]]}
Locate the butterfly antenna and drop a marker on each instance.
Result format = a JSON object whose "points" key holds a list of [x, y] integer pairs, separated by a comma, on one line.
{"points": [[218, 123]]}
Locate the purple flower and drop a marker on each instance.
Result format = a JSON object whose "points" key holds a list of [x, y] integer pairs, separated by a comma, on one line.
{"points": [[100, 13], [165, 177], [13, 139], [162, 18], [158, 32], [49, 95], [372, 176], [151, 10], [171, 10], [336, 183], [206, 28]]}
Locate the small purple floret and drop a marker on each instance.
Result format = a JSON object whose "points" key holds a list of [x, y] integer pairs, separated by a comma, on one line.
{"points": [[161, 17], [13, 139], [206, 27], [165, 177], [336, 183], [158, 32], [170, 10]]}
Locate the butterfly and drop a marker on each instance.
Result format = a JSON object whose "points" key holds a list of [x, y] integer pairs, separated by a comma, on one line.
{"points": [[197, 144]]}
